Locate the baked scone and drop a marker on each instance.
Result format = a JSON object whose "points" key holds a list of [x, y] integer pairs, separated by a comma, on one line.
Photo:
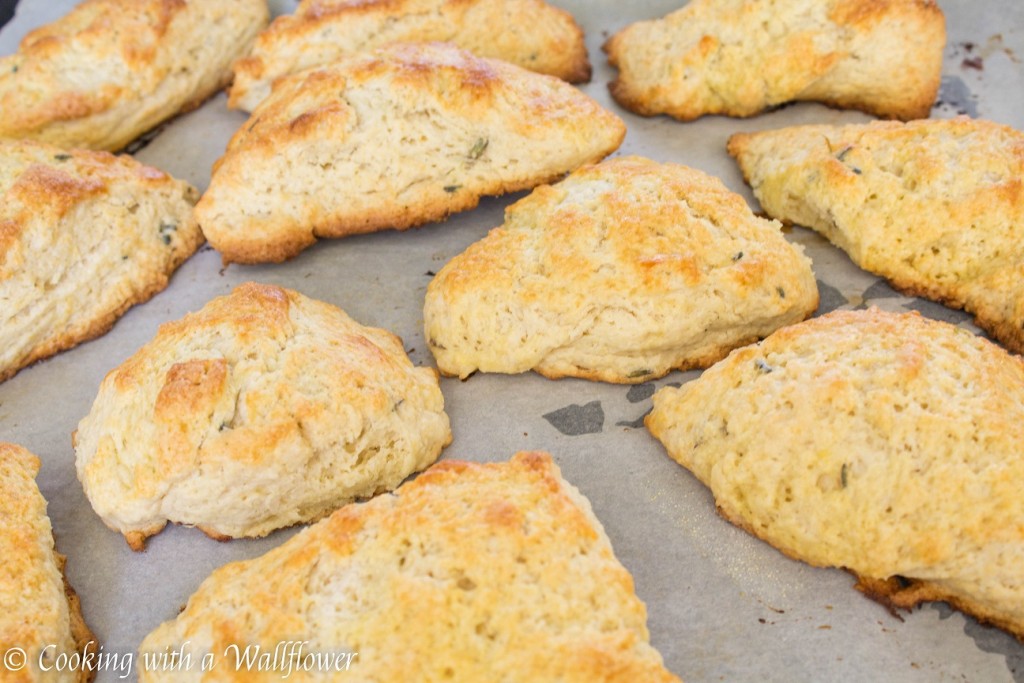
{"points": [[83, 236], [472, 572], [529, 33], [934, 206], [39, 612], [622, 272], [392, 139], [110, 70], [739, 57], [886, 444], [262, 410]]}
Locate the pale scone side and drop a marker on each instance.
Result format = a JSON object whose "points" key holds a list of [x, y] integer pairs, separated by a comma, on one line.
{"points": [[83, 237], [936, 207], [262, 410], [622, 272], [110, 70], [39, 613], [886, 444], [400, 137], [529, 33], [472, 572], [739, 57]]}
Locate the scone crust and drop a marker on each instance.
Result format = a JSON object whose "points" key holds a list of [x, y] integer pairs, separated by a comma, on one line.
{"points": [[83, 237], [887, 444], [393, 139], [38, 608], [933, 206], [262, 410], [622, 272], [110, 70], [528, 33], [739, 57], [472, 572]]}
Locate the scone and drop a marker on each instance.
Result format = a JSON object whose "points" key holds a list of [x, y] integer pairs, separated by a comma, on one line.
{"points": [[621, 272], [472, 572], [83, 236], [396, 138], [529, 33], [739, 57], [933, 206], [110, 70], [262, 410], [40, 617], [886, 444]]}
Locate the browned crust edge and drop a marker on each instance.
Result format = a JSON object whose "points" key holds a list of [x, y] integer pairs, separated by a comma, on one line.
{"points": [[235, 250], [101, 325], [904, 593], [898, 592], [85, 640], [699, 363], [1005, 332], [579, 69]]}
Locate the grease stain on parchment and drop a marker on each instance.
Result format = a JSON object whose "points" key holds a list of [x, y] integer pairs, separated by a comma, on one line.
{"points": [[576, 420]]}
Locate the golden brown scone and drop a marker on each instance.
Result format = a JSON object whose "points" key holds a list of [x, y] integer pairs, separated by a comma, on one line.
{"points": [[529, 33], [262, 410], [83, 237], [472, 572], [621, 272], [39, 612], [934, 206], [889, 445], [739, 57], [396, 138], [110, 70]]}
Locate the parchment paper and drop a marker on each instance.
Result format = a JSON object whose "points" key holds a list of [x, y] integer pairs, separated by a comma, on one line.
{"points": [[722, 605]]}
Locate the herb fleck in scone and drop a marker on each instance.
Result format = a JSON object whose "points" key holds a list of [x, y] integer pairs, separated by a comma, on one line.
{"points": [[529, 33], [83, 236], [889, 445], [262, 410], [621, 272], [112, 69], [472, 572], [39, 612], [393, 139], [739, 57], [936, 207]]}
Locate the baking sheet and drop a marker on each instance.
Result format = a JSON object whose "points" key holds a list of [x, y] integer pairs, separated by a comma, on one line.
{"points": [[722, 605]]}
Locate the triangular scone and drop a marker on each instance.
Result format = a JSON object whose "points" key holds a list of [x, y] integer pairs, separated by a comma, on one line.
{"points": [[621, 272], [889, 445], [110, 70], [933, 206], [83, 237], [472, 572], [739, 57], [396, 138], [529, 33], [40, 617], [262, 410]]}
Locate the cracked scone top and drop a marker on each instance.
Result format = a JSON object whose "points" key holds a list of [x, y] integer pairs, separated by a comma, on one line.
{"points": [[39, 612], [887, 444], [623, 271], [528, 33], [392, 139], [262, 410], [472, 572], [110, 70], [739, 57], [83, 237], [936, 207]]}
